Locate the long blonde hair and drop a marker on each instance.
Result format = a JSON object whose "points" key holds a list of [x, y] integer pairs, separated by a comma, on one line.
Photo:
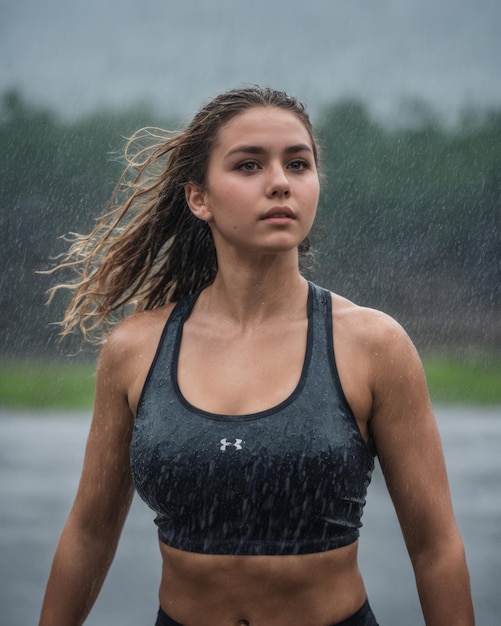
{"points": [[148, 248]]}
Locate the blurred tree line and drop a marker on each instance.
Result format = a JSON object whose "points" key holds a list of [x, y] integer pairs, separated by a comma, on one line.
{"points": [[409, 220]]}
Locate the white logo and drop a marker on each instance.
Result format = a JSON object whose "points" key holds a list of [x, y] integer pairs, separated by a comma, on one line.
{"points": [[225, 443]]}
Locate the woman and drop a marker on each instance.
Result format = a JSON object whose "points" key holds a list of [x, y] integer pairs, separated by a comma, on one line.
{"points": [[244, 403]]}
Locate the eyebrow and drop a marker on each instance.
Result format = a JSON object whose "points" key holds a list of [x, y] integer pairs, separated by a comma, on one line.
{"points": [[251, 149]]}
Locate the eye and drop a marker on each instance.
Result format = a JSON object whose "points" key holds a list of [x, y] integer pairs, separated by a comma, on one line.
{"points": [[298, 165], [248, 166]]}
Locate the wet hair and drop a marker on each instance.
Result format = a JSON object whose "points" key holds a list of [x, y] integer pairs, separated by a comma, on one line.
{"points": [[149, 248]]}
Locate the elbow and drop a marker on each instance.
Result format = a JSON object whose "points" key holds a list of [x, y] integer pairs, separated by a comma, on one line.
{"points": [[444, 555]]}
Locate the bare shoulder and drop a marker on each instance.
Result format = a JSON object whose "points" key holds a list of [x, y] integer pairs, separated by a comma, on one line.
{"points": [[137, 331], [377, 345], [376, 329], [129, 350]]}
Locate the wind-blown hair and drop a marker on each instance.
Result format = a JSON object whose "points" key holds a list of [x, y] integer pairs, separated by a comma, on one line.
{"points": [[149, 248]]}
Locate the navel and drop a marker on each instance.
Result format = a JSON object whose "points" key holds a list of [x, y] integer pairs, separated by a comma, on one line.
{"points": [[243, 622]]}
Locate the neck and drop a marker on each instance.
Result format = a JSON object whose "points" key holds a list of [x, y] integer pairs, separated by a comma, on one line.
{"points": [[249, 293]]}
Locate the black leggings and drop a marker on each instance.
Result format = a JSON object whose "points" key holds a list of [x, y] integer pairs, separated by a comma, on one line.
{"points": [[363, 617]]}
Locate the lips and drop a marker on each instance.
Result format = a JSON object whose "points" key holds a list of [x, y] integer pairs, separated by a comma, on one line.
{"points": [[279, 212]]}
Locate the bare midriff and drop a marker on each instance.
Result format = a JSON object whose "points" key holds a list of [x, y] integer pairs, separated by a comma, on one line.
{"points": [[317, 589]]}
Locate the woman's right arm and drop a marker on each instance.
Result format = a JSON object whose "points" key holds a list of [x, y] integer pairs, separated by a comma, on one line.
{"points": [[92, 530]]}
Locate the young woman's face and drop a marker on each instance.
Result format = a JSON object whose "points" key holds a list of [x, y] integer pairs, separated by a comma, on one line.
{"points": [[262, 186]]}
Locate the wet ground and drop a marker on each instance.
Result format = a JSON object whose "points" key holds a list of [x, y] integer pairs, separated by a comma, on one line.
{"points": [[40, 460]]}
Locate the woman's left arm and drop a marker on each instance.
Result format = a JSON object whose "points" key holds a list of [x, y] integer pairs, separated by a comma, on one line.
{"points": [[410, 452]]}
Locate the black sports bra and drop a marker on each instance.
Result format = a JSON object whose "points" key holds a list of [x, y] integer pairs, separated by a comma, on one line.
{"points": [[289, 480]]}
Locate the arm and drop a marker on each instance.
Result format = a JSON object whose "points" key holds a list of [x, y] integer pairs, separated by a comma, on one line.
{"points": [[411, 457], [91, 533]]}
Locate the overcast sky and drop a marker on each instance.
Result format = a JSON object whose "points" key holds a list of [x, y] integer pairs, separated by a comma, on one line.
{"points": [[77, 55]]}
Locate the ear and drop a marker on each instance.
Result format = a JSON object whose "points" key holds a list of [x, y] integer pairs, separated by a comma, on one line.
{"points": [[196, 198]]}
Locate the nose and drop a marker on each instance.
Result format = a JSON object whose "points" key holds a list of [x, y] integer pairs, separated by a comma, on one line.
{"points": [[278, 182]]}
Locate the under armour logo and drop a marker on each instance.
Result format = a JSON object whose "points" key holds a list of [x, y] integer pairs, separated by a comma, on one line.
{"points": [[225, 443]]}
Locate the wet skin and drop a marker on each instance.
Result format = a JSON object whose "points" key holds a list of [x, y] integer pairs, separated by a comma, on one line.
{"points": [[317, 589], [259, 201], [384, 384], [322, 588]]}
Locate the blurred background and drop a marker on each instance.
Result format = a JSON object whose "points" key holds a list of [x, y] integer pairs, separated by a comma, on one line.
{"points": [[406, 98], [406, 102]]}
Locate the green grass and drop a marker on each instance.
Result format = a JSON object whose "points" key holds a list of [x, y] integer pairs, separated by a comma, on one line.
{"points": [[470, 380], [70, 385], [32, 384]]}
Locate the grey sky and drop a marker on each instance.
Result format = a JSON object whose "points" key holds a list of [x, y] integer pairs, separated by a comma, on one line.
{"points": [[74, 56]]}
